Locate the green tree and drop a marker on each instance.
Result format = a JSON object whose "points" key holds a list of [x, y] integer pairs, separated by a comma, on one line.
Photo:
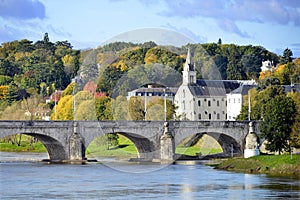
{"points": [[120, 108], [112, 139], [86, 110], [295, 134], [136, 108], [286, 57], [103, 108], [278, 118], [156, 110]]}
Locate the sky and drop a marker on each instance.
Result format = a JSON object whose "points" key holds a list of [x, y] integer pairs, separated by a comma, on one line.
{"points": [[273, 24]]}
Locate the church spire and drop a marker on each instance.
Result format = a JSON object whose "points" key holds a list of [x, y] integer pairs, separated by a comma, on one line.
{"points": [[188, 66], [189, 73]]}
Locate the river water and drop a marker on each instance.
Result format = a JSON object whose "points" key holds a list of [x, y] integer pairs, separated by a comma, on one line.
{"points": [[23, 177]]}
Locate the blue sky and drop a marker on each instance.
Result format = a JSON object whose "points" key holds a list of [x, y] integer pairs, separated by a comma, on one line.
{"points": [[273, 24]]}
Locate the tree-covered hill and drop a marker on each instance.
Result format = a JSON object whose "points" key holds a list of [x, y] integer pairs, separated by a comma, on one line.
{"points": [[40, 68], [212, 61]]}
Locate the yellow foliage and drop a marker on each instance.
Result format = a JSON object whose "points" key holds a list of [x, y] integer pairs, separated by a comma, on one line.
{"points": [[280, 69], [265, 74], [4, 91], [122, 66], [297, 62], [64, 109], [20, 55], [67, 59], [150, 58]]}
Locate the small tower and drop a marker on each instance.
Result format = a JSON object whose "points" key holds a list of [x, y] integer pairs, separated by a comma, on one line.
{"points": [[188, 73]]}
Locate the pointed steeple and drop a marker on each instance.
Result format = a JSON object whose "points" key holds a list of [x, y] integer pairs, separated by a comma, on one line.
{"points": [[188, 56], [188, 66], [189, 73]]}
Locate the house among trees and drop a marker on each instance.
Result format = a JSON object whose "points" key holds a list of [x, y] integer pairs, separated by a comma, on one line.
{"points": [[151, 90], [54, 97], [267, 66]]}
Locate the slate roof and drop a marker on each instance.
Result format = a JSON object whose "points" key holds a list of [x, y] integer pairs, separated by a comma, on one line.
{"points": [[213, 87], [156, 91], [290, 88], [243, 89]]}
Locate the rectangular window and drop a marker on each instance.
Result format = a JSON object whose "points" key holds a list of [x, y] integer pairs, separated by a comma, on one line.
{"points": [[209, 116], [199, 116], [218, 116], [218, 103], [199, 103], [208, 103]]}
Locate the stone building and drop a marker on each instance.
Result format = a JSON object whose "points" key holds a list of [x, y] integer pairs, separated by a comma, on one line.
{"points": [[202, 99]]}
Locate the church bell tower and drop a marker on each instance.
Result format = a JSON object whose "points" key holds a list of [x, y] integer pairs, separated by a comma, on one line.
{"points": [[188, 73]]}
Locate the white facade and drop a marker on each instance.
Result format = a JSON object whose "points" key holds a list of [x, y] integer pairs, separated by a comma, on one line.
{"points": [[201, 100], [266, 66], [234, 105], [235, 100]]}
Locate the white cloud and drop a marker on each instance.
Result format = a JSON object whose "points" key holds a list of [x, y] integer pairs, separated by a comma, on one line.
{"points": [[24, 9], [227, 13]]}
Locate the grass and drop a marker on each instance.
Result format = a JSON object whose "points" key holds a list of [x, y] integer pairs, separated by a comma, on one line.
{"points": [[206, 145], [196, 150], [125, 149], [276, 165], [25, 145]]}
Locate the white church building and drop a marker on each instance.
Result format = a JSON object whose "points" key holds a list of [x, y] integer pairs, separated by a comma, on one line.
{"points": [[202, 99]]}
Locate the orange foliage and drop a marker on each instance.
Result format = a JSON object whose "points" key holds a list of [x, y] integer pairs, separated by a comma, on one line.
{"points": [[100, 94]]}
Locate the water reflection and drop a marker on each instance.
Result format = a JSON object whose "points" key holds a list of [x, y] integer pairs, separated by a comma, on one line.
{"points": [[36, 180], [22, 157]]}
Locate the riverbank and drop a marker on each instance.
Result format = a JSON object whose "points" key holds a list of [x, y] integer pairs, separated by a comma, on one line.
{"points": [[273, 165]]}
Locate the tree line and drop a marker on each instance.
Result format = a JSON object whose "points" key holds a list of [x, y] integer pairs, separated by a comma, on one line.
{"points": [[30, 71]]}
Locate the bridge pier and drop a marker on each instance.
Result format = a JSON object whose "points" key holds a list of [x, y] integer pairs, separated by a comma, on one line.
{"points": [[167, 145], [77, 150], [76, 145], [252, 143]]}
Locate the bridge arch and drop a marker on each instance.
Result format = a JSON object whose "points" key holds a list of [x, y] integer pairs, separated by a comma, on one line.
{"points": [[55, 149], [225, 141], [143, 145]]}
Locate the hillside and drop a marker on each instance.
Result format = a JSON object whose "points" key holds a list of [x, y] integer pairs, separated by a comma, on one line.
{"points": [[36, 70]]}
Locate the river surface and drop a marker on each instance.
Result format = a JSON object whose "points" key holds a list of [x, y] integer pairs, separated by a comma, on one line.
{"points": [[23, 177]]}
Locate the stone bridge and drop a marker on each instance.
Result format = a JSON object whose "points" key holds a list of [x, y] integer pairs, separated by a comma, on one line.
{"points": [[68, 140]]}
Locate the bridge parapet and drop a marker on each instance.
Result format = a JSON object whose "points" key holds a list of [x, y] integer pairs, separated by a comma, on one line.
{"points": [[58, 136]]}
